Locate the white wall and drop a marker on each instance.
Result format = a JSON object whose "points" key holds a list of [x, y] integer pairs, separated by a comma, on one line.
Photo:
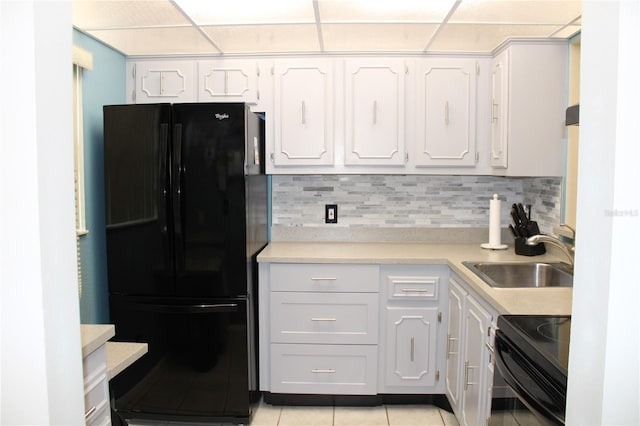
{"points": [[41, 361], [604, 357]]}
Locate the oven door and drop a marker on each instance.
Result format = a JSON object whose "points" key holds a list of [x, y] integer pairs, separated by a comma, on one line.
{"points": [[530, 398]]}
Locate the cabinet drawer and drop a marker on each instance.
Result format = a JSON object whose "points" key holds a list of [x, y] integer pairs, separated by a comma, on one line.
{"points": [[324, 278], [96, 398], [324, 318], [94, 362], [324, 369], [412, 287]]}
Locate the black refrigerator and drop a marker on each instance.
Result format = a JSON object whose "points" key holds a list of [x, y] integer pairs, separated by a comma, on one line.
{"points": [[186, 215]]}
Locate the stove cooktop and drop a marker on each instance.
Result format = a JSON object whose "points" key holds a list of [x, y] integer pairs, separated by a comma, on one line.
{"points": [[543, 338]]}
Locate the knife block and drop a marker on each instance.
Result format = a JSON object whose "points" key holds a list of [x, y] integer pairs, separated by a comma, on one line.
{"points": [[526, 250]]}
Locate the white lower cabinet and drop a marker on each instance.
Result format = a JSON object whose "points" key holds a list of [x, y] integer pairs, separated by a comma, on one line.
{"points": [[322, 328], [352, 329], [468, 356], [412, 327], [410, 346], [366, 329], [96, 388]]}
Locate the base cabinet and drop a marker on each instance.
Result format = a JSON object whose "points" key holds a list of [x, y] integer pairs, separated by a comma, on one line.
{"points": [[96, 388], [468, 358], [319, 332], [352, 329], [410, 346]]}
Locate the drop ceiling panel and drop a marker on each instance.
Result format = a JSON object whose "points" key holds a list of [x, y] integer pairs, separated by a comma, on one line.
{"points": [[377, 37], [248, 11], [483, 38], [92, 14], [516, 12], [156, 41], [265, 38], [333, 11]]}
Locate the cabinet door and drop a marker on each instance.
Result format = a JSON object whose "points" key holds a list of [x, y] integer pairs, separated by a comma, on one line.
{"points": [[499, 110], [374, 112], [163, 81], [446, 113], [228, 81], [411, 346], [476, 364], [303, 114], [455, 345]]}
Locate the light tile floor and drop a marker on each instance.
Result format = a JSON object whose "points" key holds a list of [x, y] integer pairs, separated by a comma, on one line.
{"points": [[385, 415]]}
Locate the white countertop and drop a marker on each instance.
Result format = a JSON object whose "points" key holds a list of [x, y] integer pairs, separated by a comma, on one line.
{"points": [[120, 355], [555, 301]]}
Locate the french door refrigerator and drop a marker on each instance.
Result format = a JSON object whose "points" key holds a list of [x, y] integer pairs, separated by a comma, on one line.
{"points": [[186, 215]]}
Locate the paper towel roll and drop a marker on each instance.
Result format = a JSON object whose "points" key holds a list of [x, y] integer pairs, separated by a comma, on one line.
{"points": [[494, 221]]}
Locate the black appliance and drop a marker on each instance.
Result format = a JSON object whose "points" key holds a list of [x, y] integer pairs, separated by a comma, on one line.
{"points": [[186, 215], [532, 355]]}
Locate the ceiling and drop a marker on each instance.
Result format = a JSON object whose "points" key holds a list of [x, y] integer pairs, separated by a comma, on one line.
{"points": [[248, 27]]}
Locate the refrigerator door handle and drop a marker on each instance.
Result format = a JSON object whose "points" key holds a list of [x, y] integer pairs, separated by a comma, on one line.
{"points": [[163, 197], [177, 196], [205, 308]]}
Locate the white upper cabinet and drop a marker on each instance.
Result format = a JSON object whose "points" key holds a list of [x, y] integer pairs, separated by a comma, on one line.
{"points": [[161, 81], [228, 81], [375, 112], [528, 109], [303, 113], [446, 113]]}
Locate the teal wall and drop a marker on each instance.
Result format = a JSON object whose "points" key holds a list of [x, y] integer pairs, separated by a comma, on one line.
{"points": [[104, 85]]}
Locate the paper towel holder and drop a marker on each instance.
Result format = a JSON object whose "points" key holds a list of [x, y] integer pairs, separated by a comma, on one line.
{"points": [[494, 226]]}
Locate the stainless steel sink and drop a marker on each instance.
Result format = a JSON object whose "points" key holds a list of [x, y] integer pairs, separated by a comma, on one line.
{"points": [[523, 275]]}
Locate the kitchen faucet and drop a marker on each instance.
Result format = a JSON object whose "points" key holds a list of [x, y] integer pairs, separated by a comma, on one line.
{"points": [[567, 249]]}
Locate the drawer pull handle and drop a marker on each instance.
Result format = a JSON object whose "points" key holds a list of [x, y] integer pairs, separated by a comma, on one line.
{"points": [[414, 290], [90, 412], [323, 370], [323, 319], [323, 278]]}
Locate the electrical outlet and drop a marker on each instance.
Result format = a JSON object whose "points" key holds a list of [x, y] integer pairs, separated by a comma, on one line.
{"points": [[331, 213]]}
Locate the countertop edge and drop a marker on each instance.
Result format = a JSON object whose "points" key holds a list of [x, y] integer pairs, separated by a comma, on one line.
{"points": [[504, 301], [121, 355], [95, 335]]}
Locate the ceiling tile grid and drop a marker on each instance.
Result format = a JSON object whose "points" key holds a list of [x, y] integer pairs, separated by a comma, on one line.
{"points": [[244, 27]]}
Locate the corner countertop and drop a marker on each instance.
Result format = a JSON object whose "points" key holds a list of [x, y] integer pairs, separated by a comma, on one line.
{"points": [[120, 355], [531, 301]]}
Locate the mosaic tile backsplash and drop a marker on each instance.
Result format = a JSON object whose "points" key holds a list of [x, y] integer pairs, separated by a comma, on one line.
{"points": [[410, 201]]}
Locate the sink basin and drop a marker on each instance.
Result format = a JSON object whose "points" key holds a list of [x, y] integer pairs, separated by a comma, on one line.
{"points": [[523, 275]]}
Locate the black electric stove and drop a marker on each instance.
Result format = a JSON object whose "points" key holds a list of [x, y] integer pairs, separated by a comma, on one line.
{"points": [[532, 354]]}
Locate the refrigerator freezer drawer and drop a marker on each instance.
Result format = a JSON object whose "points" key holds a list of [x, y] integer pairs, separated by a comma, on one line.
{"points": [[197, 366]]}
